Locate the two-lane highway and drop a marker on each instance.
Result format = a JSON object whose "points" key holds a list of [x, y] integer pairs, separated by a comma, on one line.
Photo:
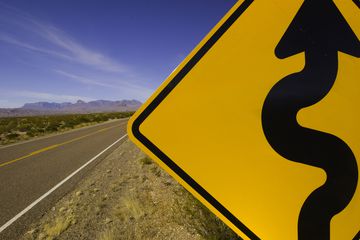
{"points": [[35, 174]]}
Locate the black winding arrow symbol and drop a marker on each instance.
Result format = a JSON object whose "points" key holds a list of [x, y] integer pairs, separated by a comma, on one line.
{"points": [[319, 30]]}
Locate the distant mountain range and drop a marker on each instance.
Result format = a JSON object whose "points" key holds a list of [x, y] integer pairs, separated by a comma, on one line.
{"points": [[47, 108]]}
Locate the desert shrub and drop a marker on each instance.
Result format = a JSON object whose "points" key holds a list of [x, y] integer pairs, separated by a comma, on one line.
{"points": [[2, 129], [31, 133], [25, 127], [41, 130], [11, 126], [12, 136], [40, 125], [53, 127]]}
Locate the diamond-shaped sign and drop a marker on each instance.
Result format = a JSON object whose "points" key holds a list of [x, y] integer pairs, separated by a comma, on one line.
{"points": [[261, 121]]}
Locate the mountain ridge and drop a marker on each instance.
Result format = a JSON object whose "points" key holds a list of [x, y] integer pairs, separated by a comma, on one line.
{"points": [[79, 107]]}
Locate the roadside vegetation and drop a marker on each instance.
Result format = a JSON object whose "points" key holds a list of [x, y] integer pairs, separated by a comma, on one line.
{"points": [[127, 196], [14, 129]]}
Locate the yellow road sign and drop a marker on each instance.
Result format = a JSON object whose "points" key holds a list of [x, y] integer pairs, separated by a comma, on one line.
{"points": [[261, 121]]}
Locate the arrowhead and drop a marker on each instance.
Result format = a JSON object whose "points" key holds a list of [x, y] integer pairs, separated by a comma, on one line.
{"points": [[318, 25]]}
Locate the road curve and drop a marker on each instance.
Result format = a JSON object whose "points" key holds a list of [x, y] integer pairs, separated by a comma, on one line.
{"points": [[29, 170]]}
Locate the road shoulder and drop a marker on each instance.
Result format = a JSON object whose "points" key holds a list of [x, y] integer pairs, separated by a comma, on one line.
{"points": [[127, 196]]}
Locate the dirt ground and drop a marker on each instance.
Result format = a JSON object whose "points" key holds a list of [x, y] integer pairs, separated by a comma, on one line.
{"points": [[127, 196]]}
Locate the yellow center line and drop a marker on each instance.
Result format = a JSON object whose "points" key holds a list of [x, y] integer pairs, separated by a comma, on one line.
{"points": [[54, 146]]}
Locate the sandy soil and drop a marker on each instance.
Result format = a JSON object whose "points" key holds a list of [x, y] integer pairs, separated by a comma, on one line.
{"points": [[127, 196]]}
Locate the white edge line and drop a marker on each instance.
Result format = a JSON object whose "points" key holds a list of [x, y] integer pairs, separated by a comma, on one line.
{"points": [[11, 221]]}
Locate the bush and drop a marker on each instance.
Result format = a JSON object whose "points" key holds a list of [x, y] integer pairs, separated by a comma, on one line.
{"points": [[12, 136], [31, 133], [52, 127], [25, 127], [39, 125]]}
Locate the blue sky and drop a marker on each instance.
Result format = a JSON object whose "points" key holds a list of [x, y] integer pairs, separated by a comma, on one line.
{"points": [[64, 50]]}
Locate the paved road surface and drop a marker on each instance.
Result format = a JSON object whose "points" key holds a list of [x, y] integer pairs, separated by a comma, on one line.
{"points": [[30, 169]]}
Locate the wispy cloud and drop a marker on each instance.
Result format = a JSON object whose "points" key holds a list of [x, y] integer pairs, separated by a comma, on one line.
{"points": [[69, 58], [42, 96], [84, 80], [76, 52], [7, 39], [52, 97], [124, 87], [59, 44], [118, 83]]}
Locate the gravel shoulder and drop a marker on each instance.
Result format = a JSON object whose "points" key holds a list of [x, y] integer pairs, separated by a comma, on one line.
{"points": [[127, 196]]}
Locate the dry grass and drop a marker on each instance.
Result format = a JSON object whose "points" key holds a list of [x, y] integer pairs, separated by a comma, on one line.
{"points": [[107, 235], [146, 161], [129, 208], [127, 198], [59, 225]]}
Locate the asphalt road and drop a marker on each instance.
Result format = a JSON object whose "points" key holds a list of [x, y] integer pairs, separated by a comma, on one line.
{"points": [[29, 170]]}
